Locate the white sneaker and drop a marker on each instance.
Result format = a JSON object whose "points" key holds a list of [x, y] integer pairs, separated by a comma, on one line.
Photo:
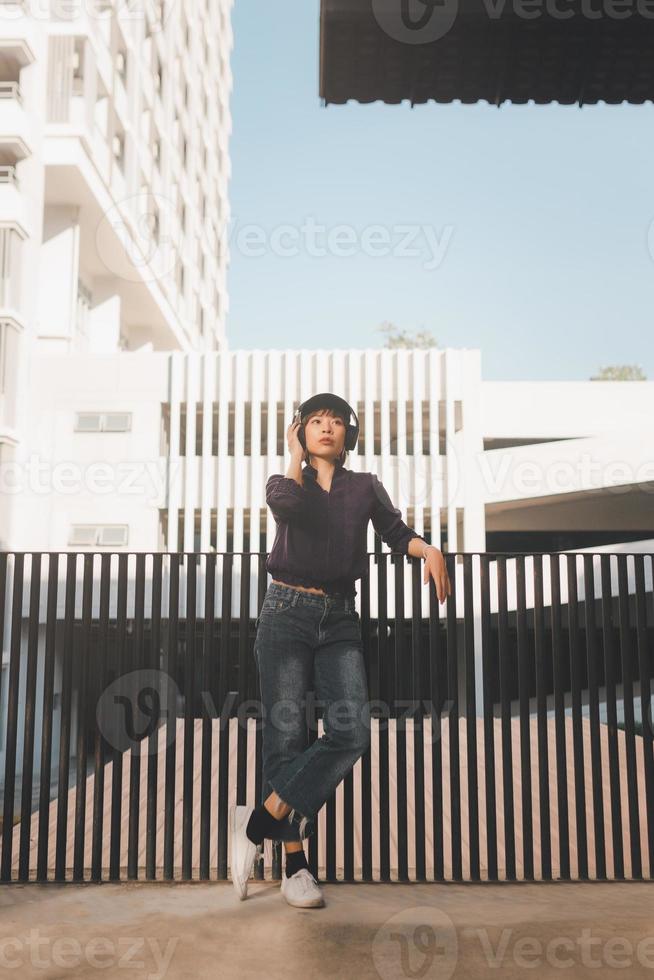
{"points": [[301, 890], [242, 851]]}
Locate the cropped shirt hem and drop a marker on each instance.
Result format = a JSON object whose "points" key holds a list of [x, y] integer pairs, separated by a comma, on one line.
{"points": [[342, 587]]}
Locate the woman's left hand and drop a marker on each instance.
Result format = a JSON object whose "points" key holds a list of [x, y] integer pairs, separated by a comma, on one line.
{"points": [[436, 567]]}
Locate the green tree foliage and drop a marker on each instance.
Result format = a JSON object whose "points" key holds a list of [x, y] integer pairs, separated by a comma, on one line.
{"points": [[400, 338], [620, 372]]}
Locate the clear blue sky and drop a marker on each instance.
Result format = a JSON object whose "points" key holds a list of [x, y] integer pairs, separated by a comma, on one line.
{"points": [[530, 225]]}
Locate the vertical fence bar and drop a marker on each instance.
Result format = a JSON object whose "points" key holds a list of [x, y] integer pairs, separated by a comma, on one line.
{"points": [[384, 720], [85, 656], [189, 716], [506, 675], [225, 713], [645, 701], [8, 817], [4, 558], [489, 671], [99, 740], [541, 716], [135, 754], [208, 712], [524, 688], [593, 704], [437, 658], [160, 686], [117, 754], [559, 680], [262, 585], [29, 719], [471, 718], [417, 719], [46, 715], [366, 759], [627, 659], [400, 692], [577, 733], [611, 714], [171, 670], [64, 735], [243, 664], [453, 707], [3, 599]]}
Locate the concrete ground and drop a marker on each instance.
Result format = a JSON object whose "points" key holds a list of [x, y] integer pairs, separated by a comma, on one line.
{"points": [[387, 931]]}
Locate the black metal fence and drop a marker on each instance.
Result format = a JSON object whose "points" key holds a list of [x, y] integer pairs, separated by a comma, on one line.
{"points": [[512, 726]]}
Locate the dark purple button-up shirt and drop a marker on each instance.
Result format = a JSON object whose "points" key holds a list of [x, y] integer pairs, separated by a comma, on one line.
{"points": [[321, 539]]}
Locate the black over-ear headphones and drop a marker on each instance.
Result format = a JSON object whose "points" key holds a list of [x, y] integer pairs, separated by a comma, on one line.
{"points": [[327, 400]]}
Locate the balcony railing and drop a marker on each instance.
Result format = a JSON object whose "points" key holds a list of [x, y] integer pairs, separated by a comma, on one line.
{"points": [[511, 727]]}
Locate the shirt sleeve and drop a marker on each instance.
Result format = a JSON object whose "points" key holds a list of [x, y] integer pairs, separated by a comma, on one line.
{"points": [[284, 496], [387, 519]]}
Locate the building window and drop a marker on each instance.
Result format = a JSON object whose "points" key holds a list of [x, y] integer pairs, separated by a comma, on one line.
{"points": [[103, 421], [78, 66], [102, 535], [83, 307], [158, 75], [11, 244], [121, 64], [118, 148], [9, 346], [9, 334]]}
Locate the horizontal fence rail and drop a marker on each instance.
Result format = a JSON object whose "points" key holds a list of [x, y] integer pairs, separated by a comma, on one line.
{"points": [[511, 727]]}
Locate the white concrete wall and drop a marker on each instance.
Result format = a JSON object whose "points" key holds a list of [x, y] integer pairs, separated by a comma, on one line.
{"points": [[565, 409]]}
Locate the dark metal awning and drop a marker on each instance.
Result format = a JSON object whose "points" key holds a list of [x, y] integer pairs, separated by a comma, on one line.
{"points": [[566, 51]]}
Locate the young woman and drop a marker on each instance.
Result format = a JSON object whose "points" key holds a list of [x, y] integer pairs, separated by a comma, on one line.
{"points": [[309, 638]]}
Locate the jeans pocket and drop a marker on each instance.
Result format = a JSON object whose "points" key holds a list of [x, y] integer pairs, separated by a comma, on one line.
{"points": [[272, 605]]}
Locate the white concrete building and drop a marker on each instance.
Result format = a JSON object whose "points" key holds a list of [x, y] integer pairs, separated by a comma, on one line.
{"points": [[174, 450], [200, 433], [114, 164]]}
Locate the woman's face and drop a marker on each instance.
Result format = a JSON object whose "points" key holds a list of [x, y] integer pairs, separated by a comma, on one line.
{"points": [[324, 425]]}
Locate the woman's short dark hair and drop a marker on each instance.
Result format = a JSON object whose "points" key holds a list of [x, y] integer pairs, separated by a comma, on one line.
{"points": [[324, 411]]}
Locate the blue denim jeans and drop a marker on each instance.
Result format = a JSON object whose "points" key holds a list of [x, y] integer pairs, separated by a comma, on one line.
{"points": [[307, 642]]}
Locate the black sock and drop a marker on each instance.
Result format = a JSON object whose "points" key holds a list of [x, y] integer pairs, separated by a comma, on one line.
{"points": [[262, 824], [294, 861]]}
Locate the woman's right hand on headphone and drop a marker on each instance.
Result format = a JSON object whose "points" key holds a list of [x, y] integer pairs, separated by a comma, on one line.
{"points": [[294, 444]]}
